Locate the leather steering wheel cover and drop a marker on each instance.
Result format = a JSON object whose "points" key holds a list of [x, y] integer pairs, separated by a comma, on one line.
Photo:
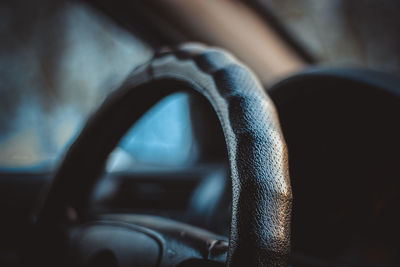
{"points": [[261, 192]]}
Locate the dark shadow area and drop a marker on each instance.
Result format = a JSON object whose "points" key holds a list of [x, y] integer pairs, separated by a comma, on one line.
{"points": [[342, 131]]}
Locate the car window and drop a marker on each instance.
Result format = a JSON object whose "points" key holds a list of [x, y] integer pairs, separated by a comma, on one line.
{"points": [[344, 33], [163, 137], [57, 62]]}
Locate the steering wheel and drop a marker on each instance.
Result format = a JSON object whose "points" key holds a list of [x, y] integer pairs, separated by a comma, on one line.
{"points": [[258, 166]]}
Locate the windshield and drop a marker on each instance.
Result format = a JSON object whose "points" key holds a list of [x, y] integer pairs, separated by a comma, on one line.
{"points": [[58, 62], [356, 33]]}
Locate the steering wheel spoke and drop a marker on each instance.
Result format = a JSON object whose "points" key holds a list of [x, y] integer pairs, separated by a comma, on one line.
{"points": [[143, 240]]}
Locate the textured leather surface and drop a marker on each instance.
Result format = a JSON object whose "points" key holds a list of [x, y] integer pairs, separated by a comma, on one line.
{"points": [[261, 192]]}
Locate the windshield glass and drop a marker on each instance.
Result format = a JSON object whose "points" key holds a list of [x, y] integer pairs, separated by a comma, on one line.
{"points": [[58, 62], [341, 33], [60, 59], [163, 137]]}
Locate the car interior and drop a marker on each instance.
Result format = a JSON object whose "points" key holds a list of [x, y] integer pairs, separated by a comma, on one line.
{"points": [[200, 133]]}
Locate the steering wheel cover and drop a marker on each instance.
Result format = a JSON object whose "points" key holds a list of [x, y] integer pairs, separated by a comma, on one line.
{"points": [[261, 192]]}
